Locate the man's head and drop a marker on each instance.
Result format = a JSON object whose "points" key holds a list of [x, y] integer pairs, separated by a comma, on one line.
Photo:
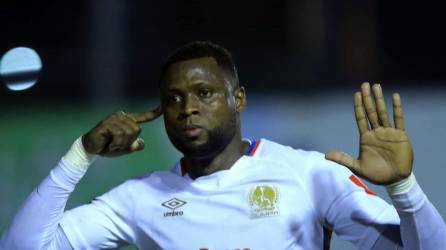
{"points": [[201, 99]]}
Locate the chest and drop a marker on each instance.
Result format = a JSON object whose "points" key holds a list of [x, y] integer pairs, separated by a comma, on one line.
{"points": [[257, 213]]}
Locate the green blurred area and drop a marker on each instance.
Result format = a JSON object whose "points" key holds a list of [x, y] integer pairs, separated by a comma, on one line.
{"points": [[35, 137]]}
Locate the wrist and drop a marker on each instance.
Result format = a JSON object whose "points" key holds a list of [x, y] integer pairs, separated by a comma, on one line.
{"points": [[402, 186], [78, 157]]}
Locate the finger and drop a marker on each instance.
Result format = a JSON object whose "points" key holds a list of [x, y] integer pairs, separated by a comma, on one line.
{"points": [[344, 159], [137, 145], [117, 134], [131, 125], [380, 105], [361, 119], [131, 131], [398, 117], [369, 105], [141, 117]]}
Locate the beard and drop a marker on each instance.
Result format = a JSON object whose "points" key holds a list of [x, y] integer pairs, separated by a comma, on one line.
{"points": [[217, 140]]}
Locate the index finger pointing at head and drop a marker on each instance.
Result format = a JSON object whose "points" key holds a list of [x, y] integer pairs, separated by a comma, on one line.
{"points": [[141, 117]]}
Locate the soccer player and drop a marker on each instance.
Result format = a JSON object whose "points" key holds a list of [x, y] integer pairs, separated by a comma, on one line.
{"points": [[231, 193]]}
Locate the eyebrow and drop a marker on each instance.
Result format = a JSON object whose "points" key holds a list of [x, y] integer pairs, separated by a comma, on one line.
{"points": [[193, 84], [199, 83], [173, 90]]}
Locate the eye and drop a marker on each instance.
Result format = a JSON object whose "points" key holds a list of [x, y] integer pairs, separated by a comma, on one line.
{"points": [[205, 93], [175, 99]]}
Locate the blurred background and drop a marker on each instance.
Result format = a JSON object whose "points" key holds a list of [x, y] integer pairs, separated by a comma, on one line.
{"points": [[300, 61]]}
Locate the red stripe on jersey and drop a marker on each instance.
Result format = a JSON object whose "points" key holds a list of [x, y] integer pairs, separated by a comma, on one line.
{"points": [[253, 151], [359, 183]]}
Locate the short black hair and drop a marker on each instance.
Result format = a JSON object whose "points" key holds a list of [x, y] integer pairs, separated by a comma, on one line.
{"points": [[199, 49]]}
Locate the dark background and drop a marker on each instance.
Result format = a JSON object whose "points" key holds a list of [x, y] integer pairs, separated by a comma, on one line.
{"points": [[300, 61], [114, 49]]}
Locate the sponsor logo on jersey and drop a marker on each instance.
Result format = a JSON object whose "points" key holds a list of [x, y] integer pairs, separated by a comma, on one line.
{"points": [[173, 204], [263, 201]]}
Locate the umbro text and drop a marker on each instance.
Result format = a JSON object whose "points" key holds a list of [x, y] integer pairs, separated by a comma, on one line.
{"points": [[173, 213]]}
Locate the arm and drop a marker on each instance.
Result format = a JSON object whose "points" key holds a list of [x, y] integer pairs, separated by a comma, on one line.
{"points": [[385, 158], [421, 226], [37, 223], [370, 223]]}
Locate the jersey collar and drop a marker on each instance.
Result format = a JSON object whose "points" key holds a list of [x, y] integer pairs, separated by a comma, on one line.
{"points": [[251, 151]]}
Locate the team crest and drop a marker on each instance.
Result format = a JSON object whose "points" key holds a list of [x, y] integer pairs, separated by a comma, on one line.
{"points": [[263, 201]]}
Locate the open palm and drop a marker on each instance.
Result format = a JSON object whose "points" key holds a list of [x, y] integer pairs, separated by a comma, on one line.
{"points": [[385, 153]]}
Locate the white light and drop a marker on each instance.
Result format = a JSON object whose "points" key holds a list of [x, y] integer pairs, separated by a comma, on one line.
{"points": [[20, 68]]}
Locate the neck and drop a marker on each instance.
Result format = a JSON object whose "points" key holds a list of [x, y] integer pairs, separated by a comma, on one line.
{"points": [[202, 166]]}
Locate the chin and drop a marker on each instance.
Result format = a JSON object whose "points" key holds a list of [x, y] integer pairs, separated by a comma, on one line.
{"points": [[207, 144], [194, 148]]}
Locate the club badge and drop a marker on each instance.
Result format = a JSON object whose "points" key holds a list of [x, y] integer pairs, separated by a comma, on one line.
{"points": [[263, 201]]}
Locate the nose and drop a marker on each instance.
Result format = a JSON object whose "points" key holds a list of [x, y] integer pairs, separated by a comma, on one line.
{"points": [[190, 106]]}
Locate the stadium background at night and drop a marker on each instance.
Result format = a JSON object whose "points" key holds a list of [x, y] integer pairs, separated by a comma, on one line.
{"points": [[300, 61]]}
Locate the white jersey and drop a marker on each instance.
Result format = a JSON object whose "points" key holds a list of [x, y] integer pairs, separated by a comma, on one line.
{"points": [[274, 197]]}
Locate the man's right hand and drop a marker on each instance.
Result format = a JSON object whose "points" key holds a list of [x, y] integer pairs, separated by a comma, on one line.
{"points": [[118, 133]]}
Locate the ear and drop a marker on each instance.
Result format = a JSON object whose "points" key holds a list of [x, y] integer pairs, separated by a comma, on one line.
{"points": [[240, 99]]}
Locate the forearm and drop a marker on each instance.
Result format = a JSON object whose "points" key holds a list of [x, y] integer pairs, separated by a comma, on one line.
{"points": [[35, 224], [421, 226]]}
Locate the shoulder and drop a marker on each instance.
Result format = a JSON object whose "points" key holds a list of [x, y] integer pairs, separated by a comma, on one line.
{"points": [[272, 150], [325, 181], [302, 161], [130, 190]]}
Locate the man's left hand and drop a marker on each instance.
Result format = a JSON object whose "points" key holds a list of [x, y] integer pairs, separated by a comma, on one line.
{"points": [[385, 152]]}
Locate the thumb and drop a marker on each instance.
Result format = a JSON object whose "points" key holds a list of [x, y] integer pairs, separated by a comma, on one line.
{"points": [[137, 145], [344, 159]]}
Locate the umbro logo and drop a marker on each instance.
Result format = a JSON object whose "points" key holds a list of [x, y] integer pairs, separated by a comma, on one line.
{"points": [[173, 204]]}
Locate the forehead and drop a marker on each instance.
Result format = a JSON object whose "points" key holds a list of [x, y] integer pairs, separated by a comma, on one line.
{"points": [[204, 68]]}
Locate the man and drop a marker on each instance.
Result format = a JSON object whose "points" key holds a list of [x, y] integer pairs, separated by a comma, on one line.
{"points": [[230, 193]]}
